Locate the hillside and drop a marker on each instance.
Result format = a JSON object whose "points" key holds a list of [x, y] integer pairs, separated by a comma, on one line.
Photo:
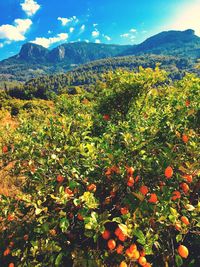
{"points": [[87, 75], [176, 43], [34, 60]]}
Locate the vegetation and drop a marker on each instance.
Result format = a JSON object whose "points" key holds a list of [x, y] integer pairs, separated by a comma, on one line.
{"points": [[105, 178], [87, 76]]}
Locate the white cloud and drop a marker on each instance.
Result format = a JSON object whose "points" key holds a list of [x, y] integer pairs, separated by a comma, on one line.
{"points": [[49, 32], [47, 42], [95, 24], [30, 7], [65, 21], [95, 33], [187, 17], [71, 29], [97, 41], [133, 30], [15, 32], [87, 41], [125, 35], [82, 28], [1, 45], [108, 38]]}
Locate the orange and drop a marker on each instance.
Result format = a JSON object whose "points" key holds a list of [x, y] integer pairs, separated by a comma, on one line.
{"points": [[106, 117], [6, 252], [92, 187], [185, 187], [118, 231], [111, 244], [5, 149], [129, 253], [153, 198], [60, 178], [119, 249], [26, 237], [187, 103], [183, 251], [188, 178], [142, 253], [106, 234], [130, 181], [147, 264], [124, 211], [142, 261], [185, 138], [185, 220], [176, 195], [144, 190], [133, 247], [123, 264], [80, 217], [130, 171], [135, 255], [122, 237], [11, 264], [168, 172], [68, 191], [178, 226]]}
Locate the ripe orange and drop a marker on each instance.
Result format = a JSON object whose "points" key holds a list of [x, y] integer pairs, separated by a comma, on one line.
{"points": [[119, 249], [185, 138], [168, 172], [153, 198], [185, 220], [92, 187], [147, 264], [144, 190], [123, 264], [124, 211], [135, 255], [106, 234], [131, 181], [188, 177], [133, 247], [118, 231], [25, 237], [80, 217], [142, 261], [178, 226], [183, 251], [6, 252], [187, 103], [185, 187], [142, 253], [11, 217], [129, 253], [106, 117], [130, 171], [11, 264], [60, 178], [111, 244], [5, 149], [176, 195], [122, 237], [68, 191]]}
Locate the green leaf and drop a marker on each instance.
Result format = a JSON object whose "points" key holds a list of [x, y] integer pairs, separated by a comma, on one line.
{"points": [[178, 260], [64, 224], [58, 259], [179, 237]]}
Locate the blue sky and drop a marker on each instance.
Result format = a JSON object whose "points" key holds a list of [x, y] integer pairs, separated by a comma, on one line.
{"points": [[52, 22]]}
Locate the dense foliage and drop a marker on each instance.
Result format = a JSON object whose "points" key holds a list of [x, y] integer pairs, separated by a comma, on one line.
{"points": [[87, 76], [110, 177]]}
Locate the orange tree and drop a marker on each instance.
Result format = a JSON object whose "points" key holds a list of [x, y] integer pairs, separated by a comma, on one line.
{"points": [[110, 180]]}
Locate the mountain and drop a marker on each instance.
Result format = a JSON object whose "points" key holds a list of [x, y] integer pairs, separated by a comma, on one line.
{"points": [[34, 60], [176, 43]]}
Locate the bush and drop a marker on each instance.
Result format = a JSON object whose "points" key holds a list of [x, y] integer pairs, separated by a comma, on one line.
{"points": [[128, 193]]}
